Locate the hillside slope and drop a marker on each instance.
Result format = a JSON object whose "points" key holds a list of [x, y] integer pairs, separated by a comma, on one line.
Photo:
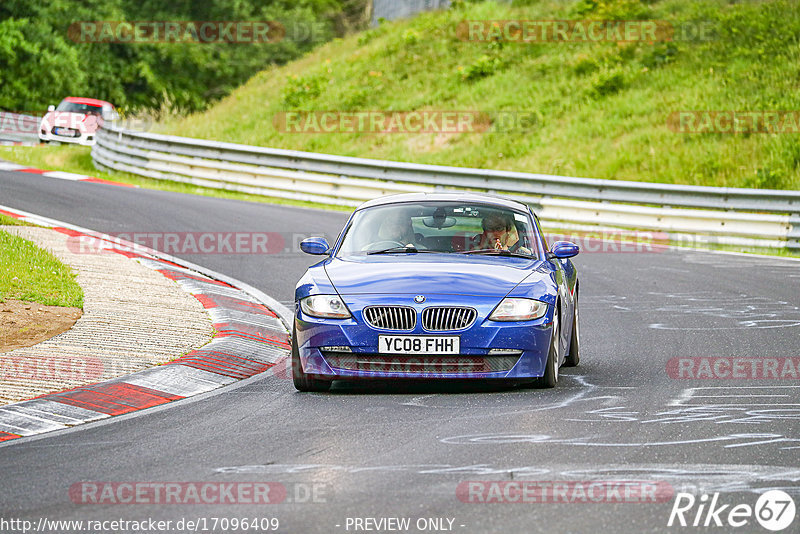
{"points": [[600, 109]]}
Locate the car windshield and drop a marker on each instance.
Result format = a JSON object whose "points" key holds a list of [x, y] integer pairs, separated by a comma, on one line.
{"points": [[442, 227], [74, 107]]}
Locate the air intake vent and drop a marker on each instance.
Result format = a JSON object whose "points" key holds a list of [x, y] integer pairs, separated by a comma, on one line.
{"points": [[445, 318], [451, 365], [391, 317]]}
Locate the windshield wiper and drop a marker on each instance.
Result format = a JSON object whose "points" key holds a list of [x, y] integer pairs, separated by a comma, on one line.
{"points": [[408, 249], [498, 252]]}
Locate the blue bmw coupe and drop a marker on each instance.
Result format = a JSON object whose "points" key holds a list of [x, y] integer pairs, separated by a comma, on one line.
{"points": [[437, 286]]}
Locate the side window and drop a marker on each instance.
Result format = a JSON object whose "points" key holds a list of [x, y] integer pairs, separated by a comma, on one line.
{"points": [[520, 225]]}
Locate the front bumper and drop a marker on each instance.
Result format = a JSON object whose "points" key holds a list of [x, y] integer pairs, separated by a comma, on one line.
{"points": [[318, 342], [85, 138]]}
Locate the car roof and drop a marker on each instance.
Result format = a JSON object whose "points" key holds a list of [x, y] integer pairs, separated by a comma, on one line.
{"points": [[455, 196], [87, 101]]}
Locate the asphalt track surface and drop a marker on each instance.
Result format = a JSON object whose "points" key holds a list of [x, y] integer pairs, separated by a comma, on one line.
{"points": [[401, 450]]}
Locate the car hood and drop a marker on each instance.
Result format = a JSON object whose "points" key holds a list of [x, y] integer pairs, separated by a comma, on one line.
{"points": [[412, 274]]}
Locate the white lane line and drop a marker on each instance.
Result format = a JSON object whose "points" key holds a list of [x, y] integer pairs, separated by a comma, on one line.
{"points": [[740, 404], [25, 425], [180, 380], [417, 401], [692, 392], [22, 415], [7, 166], [61, 175], [737, 396], [56, 411]]}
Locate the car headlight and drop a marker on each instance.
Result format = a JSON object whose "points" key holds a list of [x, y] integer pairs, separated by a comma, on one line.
{"points": [[324, 306], [518, 309]]}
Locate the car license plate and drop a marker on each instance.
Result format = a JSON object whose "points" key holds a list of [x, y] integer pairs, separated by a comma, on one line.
{"points": [[419, 344], [64, 131]]}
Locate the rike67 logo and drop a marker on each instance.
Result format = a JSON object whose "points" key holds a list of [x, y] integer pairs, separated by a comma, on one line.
{"points": [[774, 510]]}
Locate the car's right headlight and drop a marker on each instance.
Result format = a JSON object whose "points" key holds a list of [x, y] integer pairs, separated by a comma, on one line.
{"points": [[518, 309], [324, 307]]}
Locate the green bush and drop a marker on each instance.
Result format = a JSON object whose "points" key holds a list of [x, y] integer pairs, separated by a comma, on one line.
{"points": [[607, 83], [482, 67], [40, 63], [300, 91]]}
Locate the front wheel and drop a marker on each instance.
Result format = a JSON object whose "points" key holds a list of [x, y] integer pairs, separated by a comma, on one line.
{"points": [[302, 381], [550, 378], [574, 356]]}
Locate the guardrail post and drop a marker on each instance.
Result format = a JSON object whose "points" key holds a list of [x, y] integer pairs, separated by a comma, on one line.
{"points": [[793, 237]]}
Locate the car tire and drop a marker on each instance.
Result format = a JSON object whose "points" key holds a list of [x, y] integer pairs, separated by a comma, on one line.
{"points": [[574, 356], [302, 381], [550, 378]]}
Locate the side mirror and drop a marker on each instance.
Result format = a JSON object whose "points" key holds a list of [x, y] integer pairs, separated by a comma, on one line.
{"points": [[51, 108], [315, 245], [564, 249]]}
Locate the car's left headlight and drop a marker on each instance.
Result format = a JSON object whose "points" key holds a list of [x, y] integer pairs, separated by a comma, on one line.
{"points": [[518, 309], [325, 307]]}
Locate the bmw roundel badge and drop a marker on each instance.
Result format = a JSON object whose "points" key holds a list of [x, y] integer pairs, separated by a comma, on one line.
{"points": [[419, 299]]}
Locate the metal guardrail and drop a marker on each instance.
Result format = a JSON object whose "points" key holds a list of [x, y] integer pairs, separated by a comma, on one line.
{"points": [[744, 217], [17, 128]]}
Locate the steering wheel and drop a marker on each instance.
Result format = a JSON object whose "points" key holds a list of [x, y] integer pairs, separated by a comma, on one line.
{"points": [[381, 245]]}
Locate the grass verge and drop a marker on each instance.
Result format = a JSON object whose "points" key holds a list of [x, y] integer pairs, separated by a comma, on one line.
{"points": [[758, 251], [33, 274], [5, 220]]}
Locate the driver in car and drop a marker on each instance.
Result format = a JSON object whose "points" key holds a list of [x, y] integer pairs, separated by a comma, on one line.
{"points": [[499, 233], [397, 229]]}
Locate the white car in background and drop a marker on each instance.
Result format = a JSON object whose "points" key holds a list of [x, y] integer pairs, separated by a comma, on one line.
{"points": [[76, 120]]}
